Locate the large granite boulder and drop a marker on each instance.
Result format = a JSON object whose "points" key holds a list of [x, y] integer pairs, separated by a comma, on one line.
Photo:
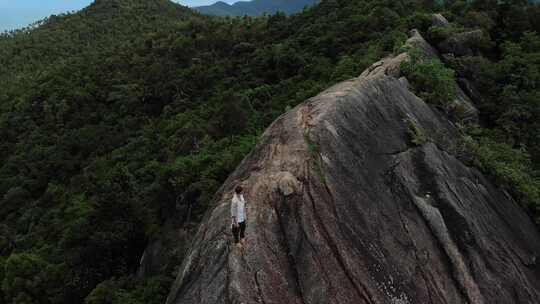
{"points": [[344, 209]]}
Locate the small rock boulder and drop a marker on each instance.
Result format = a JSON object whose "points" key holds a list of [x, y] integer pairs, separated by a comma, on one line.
{"points": [[439, 20]]}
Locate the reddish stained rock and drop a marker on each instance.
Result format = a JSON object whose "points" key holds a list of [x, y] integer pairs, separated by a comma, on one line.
{"points": [[343, 209]]}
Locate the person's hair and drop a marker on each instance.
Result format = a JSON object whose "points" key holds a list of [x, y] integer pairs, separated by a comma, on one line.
{"points": [[238, 189]]}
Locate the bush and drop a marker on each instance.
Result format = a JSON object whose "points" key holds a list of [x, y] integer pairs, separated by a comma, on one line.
{"points": [[416, 133], [441, 33], [431, 80], [417, 20], [511, 167], [346, 68], [129, 290], [23, 279]]}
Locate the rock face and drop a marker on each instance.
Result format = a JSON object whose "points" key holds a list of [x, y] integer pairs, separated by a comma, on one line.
{"points": [[439, 20], [165, 249], [462, 44], [343, 209]]}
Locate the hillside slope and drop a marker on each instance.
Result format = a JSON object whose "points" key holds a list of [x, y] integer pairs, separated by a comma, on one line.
{"points": [[345, 209], [255, 7]]}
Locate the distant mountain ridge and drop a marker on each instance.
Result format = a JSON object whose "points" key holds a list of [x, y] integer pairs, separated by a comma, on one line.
{"points": [[255, 7]]}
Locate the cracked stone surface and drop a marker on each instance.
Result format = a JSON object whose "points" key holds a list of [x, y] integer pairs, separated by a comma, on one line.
{"points": [[342, 209]]}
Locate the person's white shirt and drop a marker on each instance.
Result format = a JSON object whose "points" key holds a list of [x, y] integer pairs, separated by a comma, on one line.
{"points": [[238, 208]]}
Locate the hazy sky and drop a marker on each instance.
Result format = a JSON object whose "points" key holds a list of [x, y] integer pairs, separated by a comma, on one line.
{"points": [[18, 13]]}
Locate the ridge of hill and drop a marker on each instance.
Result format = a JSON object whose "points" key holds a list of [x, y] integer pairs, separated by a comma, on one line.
{"points": [[255, 7], [345, 205]]}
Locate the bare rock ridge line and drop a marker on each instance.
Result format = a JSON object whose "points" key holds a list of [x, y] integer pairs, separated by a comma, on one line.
{"points": [[344, 210]]}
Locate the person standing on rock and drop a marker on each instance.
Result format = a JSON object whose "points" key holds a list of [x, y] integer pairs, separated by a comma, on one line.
{"points": [[238, 214]]}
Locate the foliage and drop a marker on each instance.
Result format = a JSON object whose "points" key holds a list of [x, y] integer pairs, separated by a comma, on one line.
{"points": [[25, 279], [441, 33], [130, 291], [517, 109], [511, 167], [346, 68], [432, 81], [416, 133], [315, 156]]}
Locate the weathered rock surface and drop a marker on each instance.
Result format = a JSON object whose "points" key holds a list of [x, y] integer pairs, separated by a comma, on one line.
{"points": [[342, 209], [391, 67], [462, 44]]}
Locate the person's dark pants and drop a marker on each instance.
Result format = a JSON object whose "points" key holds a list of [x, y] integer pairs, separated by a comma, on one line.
{"points": [[239, 231]]}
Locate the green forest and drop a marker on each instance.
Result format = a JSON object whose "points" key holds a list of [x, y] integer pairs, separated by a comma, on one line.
{"points": [[110, 114]]}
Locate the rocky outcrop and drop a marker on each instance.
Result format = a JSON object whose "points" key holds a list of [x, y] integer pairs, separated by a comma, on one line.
{"points": [[439, 20], [391, 66], [343, 209], [462, 44], [458, 44]]}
